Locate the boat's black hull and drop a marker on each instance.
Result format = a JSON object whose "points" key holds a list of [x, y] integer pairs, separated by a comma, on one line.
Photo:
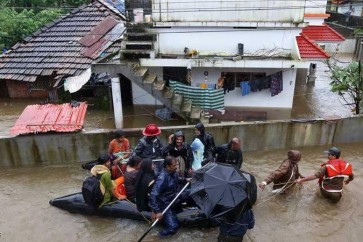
{"points": [[74, 203]]}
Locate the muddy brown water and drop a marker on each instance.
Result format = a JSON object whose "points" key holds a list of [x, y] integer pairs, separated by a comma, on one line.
{"points": [[25, 214]]}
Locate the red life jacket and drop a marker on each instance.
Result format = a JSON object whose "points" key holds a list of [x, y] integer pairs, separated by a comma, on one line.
{"points": [[335, 168], [338, 167]]}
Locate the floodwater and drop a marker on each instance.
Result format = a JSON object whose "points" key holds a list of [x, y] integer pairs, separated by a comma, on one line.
{"points": [[304, 215], [315, 100]]}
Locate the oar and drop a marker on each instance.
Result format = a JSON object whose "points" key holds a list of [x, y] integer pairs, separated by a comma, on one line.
{"points": [[166, 209]]}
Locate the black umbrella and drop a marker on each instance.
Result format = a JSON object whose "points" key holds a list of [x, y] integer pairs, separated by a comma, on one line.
{"points": [[218, 188]]}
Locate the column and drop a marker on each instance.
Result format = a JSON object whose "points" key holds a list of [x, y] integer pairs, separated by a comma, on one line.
{"points": [[117, 102]]}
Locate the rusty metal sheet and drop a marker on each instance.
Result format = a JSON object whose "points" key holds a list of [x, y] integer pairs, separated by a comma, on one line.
{"points": [[98, 32], [50, 117]]}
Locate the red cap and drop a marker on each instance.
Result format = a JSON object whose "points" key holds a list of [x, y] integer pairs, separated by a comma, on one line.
{"points": [[151, 130]]}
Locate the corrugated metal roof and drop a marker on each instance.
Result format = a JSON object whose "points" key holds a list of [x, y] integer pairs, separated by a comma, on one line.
{"points": [[98, 32], [322, 33], [309, 49], [50, 117]]}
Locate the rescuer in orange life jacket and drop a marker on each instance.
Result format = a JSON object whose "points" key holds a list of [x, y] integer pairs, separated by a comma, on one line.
{"points": [[331, 176]]}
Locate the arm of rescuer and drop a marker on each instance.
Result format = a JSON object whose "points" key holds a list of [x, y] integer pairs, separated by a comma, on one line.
{"points": [[318, 174]]}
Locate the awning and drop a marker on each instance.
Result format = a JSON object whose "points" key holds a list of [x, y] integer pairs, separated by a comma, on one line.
{"points": [[74, 83]]}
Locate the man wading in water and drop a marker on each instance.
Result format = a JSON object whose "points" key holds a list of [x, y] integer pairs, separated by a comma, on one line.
{"points": [[331, 176]]}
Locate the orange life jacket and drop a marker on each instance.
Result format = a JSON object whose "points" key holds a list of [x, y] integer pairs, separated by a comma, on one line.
{"points": [[338, 168], [335, 168]]}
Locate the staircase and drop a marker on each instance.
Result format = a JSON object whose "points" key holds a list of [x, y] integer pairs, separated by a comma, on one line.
{"points": [[141, 44]]}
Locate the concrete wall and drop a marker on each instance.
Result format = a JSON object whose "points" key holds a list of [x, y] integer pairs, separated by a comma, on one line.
{"points": [[86, 146], [224, 41], [227, 11], [345, 47]]}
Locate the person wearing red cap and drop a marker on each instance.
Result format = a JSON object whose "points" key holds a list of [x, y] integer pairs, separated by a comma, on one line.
{"points": [[331, 176], [150, 145]]}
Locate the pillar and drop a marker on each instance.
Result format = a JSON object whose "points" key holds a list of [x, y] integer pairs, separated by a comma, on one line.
{"points": [[117, 102]]}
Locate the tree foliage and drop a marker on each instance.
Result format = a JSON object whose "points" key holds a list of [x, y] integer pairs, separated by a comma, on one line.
{"points": [[347, 82], [14, 26], [20, 18]]}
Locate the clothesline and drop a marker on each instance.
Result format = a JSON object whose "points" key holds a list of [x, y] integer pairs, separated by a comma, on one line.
{"points": [[202, 97]]}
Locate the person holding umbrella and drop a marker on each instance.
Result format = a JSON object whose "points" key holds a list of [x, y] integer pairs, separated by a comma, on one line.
{"points": [[163, 193], [225, 194], [236, 222]]}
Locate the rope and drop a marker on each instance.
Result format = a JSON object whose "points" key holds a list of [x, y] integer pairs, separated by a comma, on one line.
{"points": [[148, 221], [292, 183]]}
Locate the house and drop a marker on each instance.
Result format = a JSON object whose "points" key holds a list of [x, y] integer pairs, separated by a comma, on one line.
{"points": [[62, 50], [260, 47]]}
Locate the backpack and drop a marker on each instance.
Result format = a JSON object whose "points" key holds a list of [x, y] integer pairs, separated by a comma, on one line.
{"points": [[91, 191]]}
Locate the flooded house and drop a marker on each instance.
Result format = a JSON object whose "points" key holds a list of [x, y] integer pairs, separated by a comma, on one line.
{"points": [[54, 63], [179, 51], [215, 62]]}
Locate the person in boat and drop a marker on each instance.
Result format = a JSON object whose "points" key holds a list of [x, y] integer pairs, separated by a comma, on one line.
{"points": [[331, 175], [131, 172], [234, 225], [198, 154], [102, 169], [181, 150], [163, 192], [145, 180], [119, 147], [150, 146], [284, 177], [119, 150], [230, 153], [208, 142]]}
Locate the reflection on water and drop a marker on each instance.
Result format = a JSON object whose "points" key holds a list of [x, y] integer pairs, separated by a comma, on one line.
{"points": [[300, 216]]}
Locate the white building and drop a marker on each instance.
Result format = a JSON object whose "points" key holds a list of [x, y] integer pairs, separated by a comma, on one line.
{"points": [[249, 41]]}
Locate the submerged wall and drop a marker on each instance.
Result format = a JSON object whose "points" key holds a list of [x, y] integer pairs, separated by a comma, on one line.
{"points": [[86, 146]]}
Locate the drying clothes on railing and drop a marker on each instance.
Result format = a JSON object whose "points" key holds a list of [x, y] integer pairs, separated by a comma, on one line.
{"points": [[276, 83], [204, 98]]}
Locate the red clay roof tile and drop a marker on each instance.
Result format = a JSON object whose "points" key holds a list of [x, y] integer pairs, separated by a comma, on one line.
{"points": [[309, 49], [322, 33]]}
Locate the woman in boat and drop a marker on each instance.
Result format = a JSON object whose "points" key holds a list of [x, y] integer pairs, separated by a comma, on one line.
{"points": [[102, 170], [144, 182], [131, 172]]}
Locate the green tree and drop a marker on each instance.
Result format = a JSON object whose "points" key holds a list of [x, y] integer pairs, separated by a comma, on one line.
{"points": [[14, 26], [347, 82]]}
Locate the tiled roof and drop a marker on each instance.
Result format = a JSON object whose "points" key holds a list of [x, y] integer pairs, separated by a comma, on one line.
{"points": [[309, 49], [57, 49], [322, 33], [50, 117]]}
